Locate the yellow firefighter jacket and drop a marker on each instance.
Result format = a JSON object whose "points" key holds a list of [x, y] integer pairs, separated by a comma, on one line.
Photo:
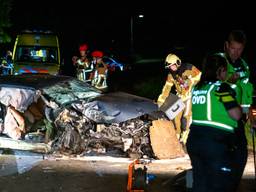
{"points": [[183, 79]]}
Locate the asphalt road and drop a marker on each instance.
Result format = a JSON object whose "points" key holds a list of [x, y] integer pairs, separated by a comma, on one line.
{"points": [[36, 172]]}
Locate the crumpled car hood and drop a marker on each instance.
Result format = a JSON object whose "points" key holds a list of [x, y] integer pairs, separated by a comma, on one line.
{"points": [[116, 107]]}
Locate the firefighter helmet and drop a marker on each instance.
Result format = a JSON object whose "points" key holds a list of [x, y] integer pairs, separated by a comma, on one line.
{"points": [[97, 54], [172, 59], [83, 47]]}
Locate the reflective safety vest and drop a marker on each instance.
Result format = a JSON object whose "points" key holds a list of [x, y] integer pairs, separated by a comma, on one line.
{"points": [[243, 82], [100, 76], [84, 70], [208, 110]]}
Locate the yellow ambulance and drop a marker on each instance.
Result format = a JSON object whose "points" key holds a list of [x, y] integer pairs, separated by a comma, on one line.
{"points": [[36, 52]]}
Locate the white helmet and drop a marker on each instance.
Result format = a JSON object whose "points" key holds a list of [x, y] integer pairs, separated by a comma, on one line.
{"points": [[172, 59]]}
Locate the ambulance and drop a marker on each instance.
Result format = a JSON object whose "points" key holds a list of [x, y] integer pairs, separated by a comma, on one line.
{"points": [[36, 52]]}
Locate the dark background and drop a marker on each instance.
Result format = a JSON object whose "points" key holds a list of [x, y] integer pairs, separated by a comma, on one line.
{"points": [[193, 28]]}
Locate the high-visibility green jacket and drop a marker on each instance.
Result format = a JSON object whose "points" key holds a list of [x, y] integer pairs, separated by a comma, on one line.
{"points": [[242, 69], [210, 105]]}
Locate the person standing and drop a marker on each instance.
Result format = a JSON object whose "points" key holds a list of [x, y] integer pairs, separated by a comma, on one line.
{"points": [[101, 71], [6, 63], [83, 65], [215, 132], [238, 71], [184, 76]]}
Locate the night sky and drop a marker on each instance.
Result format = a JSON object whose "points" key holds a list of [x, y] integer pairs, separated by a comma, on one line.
{"points": [[199, 27]]}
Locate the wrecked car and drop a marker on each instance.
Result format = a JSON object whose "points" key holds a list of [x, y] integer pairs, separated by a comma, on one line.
{"points": [[69, 116], [60, 114]]}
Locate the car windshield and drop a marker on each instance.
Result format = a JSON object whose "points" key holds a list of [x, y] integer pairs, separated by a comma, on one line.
{"points": [[37, 54], [68, 91]]}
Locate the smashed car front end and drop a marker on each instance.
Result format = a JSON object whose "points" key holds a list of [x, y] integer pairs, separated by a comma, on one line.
{"points": [[70, 117]]}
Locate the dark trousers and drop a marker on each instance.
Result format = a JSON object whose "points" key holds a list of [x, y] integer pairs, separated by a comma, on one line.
{"points": [[239, 160], [217, 162]]}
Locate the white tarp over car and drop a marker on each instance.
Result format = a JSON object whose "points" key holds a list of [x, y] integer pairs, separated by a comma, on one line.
{"points": [[19, 98]]}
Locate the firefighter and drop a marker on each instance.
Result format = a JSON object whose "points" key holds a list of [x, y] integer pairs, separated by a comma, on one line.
{"points": [[101, 70], [216, 143], [83, 64], [183, 76], [238, 71]]}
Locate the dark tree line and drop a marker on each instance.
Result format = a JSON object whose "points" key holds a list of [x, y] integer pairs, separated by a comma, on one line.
{"points": [[5, 23]]}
